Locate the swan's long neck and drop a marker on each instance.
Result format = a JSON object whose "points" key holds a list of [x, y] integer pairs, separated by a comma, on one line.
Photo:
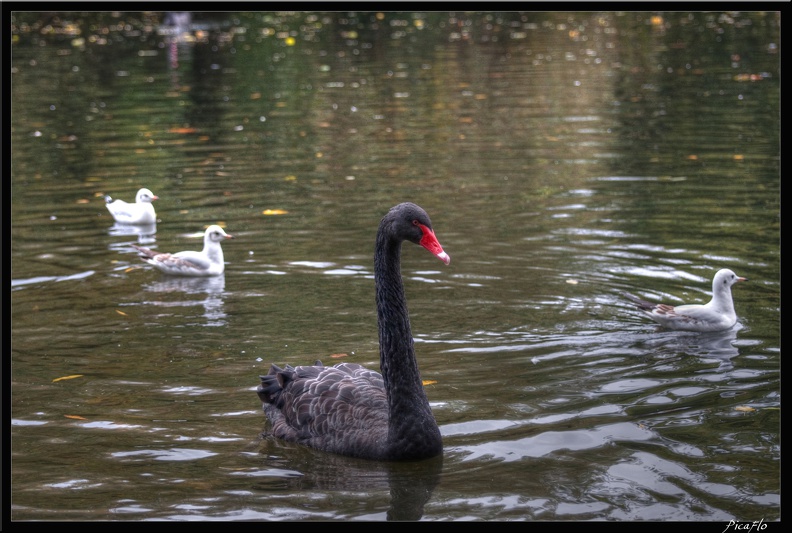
{"points": [[407, 403]]}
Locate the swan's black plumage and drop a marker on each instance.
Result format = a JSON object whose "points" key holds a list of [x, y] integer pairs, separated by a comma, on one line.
{"points": [[348, 409]]}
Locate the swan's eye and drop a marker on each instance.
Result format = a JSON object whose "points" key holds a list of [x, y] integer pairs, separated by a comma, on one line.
{"points": [[416, 223]]}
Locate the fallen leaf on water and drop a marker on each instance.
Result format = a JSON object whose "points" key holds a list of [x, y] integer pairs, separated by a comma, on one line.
{"points": [[83, 201], [274, 212], [572, 281], [338, 355], [429, 382], [67, 377], [744, 408], [120, 312], [182, 130], [75, 417]]}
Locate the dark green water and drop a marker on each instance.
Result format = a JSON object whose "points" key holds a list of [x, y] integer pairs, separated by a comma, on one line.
{"points": [[563, 157]]}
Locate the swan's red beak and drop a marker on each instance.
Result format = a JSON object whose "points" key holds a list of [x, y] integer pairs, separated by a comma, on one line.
{"points": [[429, 241]]}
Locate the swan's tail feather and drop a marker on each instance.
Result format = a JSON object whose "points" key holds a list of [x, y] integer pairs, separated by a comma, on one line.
{"points": [[273, 384]]}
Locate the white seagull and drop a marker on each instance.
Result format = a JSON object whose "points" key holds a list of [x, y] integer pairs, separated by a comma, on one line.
{"points": [[207, 262], [141, 212], [716, 315]]}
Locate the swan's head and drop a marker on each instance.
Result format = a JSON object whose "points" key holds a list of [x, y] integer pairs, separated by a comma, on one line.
{"points": [[410, 222]]}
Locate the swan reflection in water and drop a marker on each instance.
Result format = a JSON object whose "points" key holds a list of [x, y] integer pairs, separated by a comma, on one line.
{"points": [[144, 233], [392, 490], [207, 292]]}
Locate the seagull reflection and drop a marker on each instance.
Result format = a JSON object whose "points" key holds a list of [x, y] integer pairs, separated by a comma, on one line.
{"points": [[211, 287], [717, 345], [145, 232]]}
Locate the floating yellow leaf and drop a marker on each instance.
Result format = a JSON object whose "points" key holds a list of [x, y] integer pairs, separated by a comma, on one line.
{"points": [[428, 382], [290, 177], [120, 312], [693, 157], [572, 281], [744, 408], [338, 355], [182, 130], [75, 417], [83, 201], [67, 377], [274, 212]]}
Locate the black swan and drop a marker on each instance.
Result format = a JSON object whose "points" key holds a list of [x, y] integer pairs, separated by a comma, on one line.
{"points": [[348, 409]]}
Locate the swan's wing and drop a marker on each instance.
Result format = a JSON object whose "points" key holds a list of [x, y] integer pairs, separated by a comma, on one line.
{"points": [[307, 404]]}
